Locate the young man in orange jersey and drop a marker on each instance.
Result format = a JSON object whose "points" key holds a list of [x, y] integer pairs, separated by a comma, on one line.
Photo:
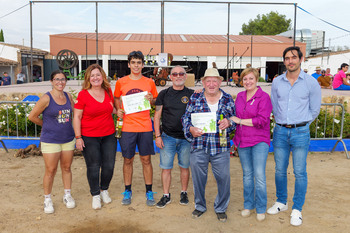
{"points": [[137, 127]]}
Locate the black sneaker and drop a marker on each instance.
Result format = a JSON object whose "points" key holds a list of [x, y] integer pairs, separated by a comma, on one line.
{"points": [[183, 198], [196, 213], [222, 217], [163, 201]]}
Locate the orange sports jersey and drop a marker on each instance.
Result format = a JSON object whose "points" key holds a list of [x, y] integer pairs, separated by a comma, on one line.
{"points": [[140, 121]]}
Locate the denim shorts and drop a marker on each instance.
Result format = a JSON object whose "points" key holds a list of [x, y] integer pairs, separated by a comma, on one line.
{"points": [[171, 147], [54, 148], [143, 140]]}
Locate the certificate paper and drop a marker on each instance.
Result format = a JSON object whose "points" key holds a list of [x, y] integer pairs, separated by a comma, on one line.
{"points": [[163, 59], [135, 102], [206, 121]]}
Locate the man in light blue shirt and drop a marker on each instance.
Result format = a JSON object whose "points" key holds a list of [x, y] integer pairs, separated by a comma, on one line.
{"points": [[296, 101]]}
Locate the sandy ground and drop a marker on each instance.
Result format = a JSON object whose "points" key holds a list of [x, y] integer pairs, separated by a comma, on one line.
{"points": [[326, 208]]}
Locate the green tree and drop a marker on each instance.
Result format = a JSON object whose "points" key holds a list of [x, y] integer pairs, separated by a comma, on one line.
{"points": [[2, 36], [270, 24]]}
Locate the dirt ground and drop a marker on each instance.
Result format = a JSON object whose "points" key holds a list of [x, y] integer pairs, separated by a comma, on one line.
{"points": [[326, 209]]}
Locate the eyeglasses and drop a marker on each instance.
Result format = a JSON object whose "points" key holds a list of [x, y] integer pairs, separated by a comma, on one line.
{"points": [[57, 80], [181, 74], [133, 53]]}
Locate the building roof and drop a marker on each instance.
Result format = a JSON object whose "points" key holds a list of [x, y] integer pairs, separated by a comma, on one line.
{"points": [[176, 44], [326, 53], [175, 37], [26, 49], [7, 62]]}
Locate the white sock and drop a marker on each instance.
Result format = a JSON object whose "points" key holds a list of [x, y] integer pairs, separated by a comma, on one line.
{"points": [[67, 192], [184, 191], [166, 194], [48, 196]]}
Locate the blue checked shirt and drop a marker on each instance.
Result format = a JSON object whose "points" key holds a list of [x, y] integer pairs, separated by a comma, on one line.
{"points": [[210, 142]]}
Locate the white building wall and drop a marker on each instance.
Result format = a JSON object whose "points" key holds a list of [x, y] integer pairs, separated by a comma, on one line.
{"points": [[333, 62], [8, 52], [80, 63], [105, 64], [263, 67]]}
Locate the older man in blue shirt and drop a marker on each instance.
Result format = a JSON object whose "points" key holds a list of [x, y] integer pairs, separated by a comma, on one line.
{"points": [[296, 101], [206, 148]]}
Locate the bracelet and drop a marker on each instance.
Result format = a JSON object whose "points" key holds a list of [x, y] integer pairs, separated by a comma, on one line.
{"points": [[158, 136], [231, 121], [240, 121], [78, 137]]}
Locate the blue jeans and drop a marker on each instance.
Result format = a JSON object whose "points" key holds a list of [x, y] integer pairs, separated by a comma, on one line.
{"points": [[253, 161], [342, 88], [99, 154], [171, 147], [220, 163], [295, 140]]}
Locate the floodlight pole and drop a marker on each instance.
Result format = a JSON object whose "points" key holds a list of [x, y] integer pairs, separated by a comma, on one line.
{"points": [[162, 17], [251, 50], [295, 23], [162, 27], [86, 57], [31, 42], [228, 41], [96, 33]]}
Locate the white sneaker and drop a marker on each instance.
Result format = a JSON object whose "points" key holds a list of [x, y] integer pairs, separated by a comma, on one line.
{"points": [[96, 202], [277, 207], [69, 201], [105, 197], [260, 217], [295, 218], [48, 206], [245, 213]]}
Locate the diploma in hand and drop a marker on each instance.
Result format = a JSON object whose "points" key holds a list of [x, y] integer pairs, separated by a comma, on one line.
{"points": [[136, 102], [206, 121]]}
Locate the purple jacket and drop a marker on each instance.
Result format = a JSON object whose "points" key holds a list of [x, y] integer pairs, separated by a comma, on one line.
{"points": [[258, 108]]}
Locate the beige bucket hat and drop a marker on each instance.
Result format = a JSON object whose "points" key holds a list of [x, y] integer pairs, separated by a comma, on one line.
{"points": [[212, 72]]}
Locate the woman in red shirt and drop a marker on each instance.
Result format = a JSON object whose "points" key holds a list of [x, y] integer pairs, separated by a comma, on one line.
{"points": [[94, 130]]}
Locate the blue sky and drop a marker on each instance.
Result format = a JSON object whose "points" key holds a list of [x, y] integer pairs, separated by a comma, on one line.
{"points": [[185, 18]]}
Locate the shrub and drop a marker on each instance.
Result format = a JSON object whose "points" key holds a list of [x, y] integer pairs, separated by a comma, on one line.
{"points": [[327, 126], [261, 79], [15, 116]]}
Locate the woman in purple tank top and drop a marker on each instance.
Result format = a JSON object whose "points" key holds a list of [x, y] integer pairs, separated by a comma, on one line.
{"points": [[57, 137]]}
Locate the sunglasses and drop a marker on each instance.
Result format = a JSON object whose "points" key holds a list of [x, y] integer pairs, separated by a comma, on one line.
{"points": [[133, 53], [181, 74]]}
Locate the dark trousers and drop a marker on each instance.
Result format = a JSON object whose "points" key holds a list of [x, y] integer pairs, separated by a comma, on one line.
{"points": [[99, 154]]}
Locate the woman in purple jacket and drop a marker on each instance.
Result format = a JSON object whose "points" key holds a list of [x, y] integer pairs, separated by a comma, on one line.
{"points": [[252, 138]]}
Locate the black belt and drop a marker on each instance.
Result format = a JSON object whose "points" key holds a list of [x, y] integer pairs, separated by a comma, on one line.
{"points": [[293, 125]]}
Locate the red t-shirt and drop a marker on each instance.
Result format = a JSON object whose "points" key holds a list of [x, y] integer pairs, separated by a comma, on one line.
{"points": [[97, 120], [139, 121]]}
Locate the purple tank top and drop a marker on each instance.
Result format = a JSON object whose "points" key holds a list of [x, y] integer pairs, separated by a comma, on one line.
{"points": [[57, 122]]}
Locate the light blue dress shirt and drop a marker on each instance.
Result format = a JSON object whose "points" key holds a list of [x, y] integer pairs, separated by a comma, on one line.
{"points": [[298, 103]]}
